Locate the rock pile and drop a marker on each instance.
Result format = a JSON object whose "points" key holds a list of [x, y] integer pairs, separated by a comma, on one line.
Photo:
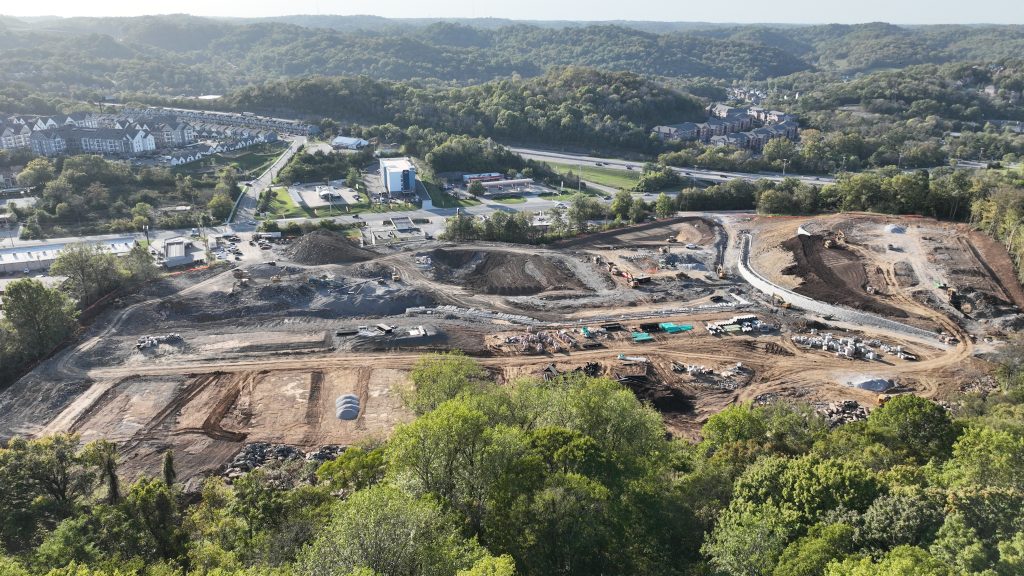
{"points": [[844, 412], [145, 342], [257, 454], [326, 247]]}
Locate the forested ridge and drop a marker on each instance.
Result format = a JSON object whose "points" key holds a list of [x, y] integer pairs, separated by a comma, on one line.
{"points": [[571, 476], [183, 54]]}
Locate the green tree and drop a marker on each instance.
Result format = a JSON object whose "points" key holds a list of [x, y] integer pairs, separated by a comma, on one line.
{"points": [[749, 538], [921, 429], [665, 206], [621, 204], [45, 481], [38, 172], [220, 206], [984, 456], [389, 532], [354, 178], [957, 544], [901, 561], [355, 469], [809, 555], [437, 378], [139, 264], [167, 468], [905, 516], [92, 271], [476, 188], [38, 317], [491, 566]]}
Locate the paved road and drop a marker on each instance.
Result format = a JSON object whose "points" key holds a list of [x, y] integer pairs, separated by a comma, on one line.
{"points": [[702, 174], [247, 207]]}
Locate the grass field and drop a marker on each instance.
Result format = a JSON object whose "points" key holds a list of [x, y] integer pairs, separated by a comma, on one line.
{"points": [[282, 205], [511, 200], [442, 199], [598, 175], [251, 161], [565, 194]]}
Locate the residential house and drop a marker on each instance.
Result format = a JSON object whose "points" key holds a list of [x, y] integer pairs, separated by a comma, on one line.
{"points": [[49, 143], [15, 135], [681, 132]]}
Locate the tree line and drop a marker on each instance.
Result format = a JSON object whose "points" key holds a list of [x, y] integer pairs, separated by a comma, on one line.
{"points": [[566, 476], [88, 194], [37, 318]]}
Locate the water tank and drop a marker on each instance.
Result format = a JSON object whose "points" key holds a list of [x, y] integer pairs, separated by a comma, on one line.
{"points": [[346, 407]]}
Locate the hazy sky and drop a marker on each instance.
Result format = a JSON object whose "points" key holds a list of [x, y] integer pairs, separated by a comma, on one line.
{"points": [[775, 11]]}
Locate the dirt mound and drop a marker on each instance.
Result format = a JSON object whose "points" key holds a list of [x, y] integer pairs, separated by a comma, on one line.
{"points": [[326, 247], [505, 273], [833, 275]]}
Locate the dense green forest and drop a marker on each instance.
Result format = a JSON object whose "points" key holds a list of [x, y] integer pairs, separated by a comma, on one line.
{"points": [[85, 194], [570, 476], [582, 106], [183, 54]]}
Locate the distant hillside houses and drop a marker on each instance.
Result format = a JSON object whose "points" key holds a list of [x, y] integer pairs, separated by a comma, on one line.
{"points": [[128, 134], [745, 128]]}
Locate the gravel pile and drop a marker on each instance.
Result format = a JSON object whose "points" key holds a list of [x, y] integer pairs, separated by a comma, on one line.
{"points": [[326, 247]]}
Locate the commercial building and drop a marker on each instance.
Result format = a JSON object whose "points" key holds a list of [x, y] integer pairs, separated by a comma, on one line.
{"points": [[398, 175], [349, 143], [40, 257]]}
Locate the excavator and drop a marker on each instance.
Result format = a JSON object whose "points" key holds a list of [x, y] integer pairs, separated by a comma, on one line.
{"points": [[780, 302]]}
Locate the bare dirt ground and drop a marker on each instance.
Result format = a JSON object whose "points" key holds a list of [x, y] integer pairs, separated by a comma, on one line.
{"points": [[266, 349]]}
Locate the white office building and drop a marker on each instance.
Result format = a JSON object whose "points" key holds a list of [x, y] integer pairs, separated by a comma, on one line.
{"points": [[398, 175]]}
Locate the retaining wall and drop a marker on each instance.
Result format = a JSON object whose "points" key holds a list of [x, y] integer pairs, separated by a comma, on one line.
{"points": [[823, 308]]}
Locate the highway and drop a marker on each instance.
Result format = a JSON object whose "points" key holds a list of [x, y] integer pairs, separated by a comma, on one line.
{"points": [[696, 174]]}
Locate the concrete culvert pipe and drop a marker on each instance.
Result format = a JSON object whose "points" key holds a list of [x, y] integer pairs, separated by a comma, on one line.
{"points": [[347, 407]]}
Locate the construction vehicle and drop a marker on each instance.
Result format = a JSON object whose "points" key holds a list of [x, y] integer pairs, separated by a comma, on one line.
{"points": [[275, 279], [883, 399], [395, 276], [721, 272], [672, 240], [836, 240], [780, 302]]}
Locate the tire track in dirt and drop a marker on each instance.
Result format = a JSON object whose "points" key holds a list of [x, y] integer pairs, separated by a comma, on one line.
{"points": [[363, 392]]}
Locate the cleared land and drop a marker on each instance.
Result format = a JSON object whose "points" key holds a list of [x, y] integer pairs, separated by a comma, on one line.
{"points": [[266, 348]]}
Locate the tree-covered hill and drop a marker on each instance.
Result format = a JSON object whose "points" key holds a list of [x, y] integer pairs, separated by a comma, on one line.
{"points": [[577, 106], [185, 54]]}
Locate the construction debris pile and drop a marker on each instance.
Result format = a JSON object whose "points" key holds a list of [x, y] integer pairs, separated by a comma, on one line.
{"points": [[844, 412], [851, 347], [540, 342], [741, 323], [147, 342], [731, 379], [257, 454]]}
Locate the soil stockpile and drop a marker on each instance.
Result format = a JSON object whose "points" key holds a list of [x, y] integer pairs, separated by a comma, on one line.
{"points": [[326, 247], [833, 275], [505, 273]]}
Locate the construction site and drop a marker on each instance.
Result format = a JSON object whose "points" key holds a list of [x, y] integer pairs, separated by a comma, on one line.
{"points": [[308, 343]]}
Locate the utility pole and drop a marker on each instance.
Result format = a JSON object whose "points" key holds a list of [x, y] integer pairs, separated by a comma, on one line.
{"points": [[785, 161]]}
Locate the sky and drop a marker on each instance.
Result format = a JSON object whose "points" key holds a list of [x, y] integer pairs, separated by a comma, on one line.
{"points": [[740, 11]]}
